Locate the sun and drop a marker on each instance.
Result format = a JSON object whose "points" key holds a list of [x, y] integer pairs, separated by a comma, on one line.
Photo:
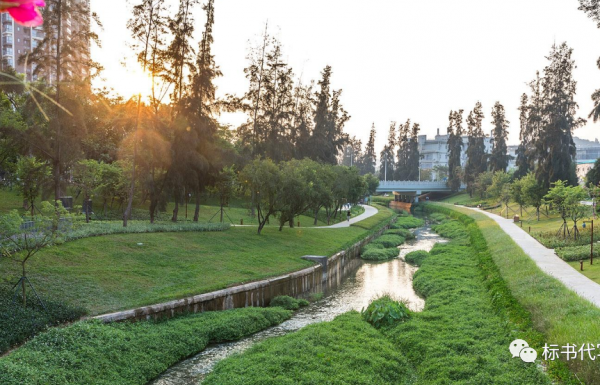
{"points": [[127, 81]]}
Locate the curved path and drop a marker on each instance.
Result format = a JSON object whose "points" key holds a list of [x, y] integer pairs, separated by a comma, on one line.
{"points": [[369, 212], [548, 261]]}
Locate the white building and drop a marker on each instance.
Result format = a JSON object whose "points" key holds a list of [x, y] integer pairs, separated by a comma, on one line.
{"points": [[434, 152]]}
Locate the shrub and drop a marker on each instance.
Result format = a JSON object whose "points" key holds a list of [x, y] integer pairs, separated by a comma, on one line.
{"points": [[389, 240], [406, 234], [551, 241], [379, 254], [288, 303], [576, 253], [385, 312], [126, 353], [416, 257], [438, 217], [314, 297], [17, 324], [407, 223]]}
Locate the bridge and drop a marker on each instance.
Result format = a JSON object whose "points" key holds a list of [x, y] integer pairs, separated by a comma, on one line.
{"points": [[408, 191]]}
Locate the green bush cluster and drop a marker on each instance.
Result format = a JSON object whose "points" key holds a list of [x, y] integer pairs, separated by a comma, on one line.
{"points": [[377, 221], [407, 223], [126, 353], [389, 240], [288, 303], [374, 254], [416, 257], [344, 351], [404, 233], [438, 217], [552, 241], [17, 323], [576, 253], [385, 312]]}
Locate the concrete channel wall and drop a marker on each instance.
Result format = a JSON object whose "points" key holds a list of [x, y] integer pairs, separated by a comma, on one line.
{"points": [[328, 273]]}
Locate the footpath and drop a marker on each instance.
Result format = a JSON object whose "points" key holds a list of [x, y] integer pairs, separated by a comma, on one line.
{"points": [[548, 261]]}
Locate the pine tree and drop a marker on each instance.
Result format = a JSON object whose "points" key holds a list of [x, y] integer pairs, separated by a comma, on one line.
{"points": [[413, 161], [402, 171], [499, 157], [387, 162], [62, 58], [524, 150], [328, 136], [555, 149], [455, 144], [370, 157]]}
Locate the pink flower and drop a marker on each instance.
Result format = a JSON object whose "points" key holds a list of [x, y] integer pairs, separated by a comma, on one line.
{"points": [[24, 12]]}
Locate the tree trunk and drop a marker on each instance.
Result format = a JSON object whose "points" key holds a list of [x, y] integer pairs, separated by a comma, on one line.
{"points": [[23, 285], [316, 217], [87, 208], [197, 209], [153, 205], [175, 211]]}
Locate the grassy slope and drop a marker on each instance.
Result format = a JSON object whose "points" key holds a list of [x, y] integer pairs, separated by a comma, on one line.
{"points": [[126, 353], [111, 273], [556, 311], [344, 351], [457, 339]]}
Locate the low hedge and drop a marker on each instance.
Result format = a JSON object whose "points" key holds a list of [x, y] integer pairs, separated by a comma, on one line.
{"points": [[126, 353], [17, 323], [406, 234], [576, 253]]}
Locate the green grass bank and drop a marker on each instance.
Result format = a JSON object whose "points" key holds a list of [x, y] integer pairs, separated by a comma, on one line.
{"points": [[461, 337]]}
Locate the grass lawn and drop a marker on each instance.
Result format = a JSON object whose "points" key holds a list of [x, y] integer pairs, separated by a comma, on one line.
{"points": [[109, 273], [557, 312], [590, 271]]}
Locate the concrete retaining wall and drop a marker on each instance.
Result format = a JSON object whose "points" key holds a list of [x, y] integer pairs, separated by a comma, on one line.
{"points": [[301, 283]]}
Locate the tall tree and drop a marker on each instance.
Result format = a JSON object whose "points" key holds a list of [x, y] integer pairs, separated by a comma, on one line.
{"points": [[555, 149], [476, 155], [387, 158], [455, 144], [147, 23], [499, 157], [63, 59], [370, 158], [413, 161], [523, 162], [402, 171], [328, 137]]}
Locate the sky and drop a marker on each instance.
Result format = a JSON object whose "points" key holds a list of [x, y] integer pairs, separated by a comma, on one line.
{"points": [[394, 59]]}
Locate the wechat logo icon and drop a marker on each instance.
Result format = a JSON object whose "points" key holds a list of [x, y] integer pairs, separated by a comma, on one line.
{"points": [[520, 348]]}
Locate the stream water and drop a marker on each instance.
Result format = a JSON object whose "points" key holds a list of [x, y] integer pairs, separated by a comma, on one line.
{"points": [[355, 292]]}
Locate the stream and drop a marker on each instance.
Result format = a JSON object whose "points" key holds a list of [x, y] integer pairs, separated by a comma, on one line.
{"points": [[355, 292]]}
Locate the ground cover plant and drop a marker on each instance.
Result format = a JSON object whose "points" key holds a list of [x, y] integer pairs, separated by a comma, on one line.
{"points": [[558, 314], [90, 352], [416, 257], [385, 312], [18, 324], [576, 253], [407, 223], [406, 234], [288, 303], [389, 240], [345, 351], [468, 306]]}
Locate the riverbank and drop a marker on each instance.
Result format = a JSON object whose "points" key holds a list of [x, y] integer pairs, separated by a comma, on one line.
{"points": [[472, 331], [557, 313]]}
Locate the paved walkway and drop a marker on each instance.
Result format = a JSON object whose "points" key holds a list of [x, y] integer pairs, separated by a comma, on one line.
{"points": [[549, 262], [369, 212]]}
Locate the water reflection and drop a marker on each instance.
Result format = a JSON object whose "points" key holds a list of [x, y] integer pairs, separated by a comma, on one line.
{"points": [[355, 292]]}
